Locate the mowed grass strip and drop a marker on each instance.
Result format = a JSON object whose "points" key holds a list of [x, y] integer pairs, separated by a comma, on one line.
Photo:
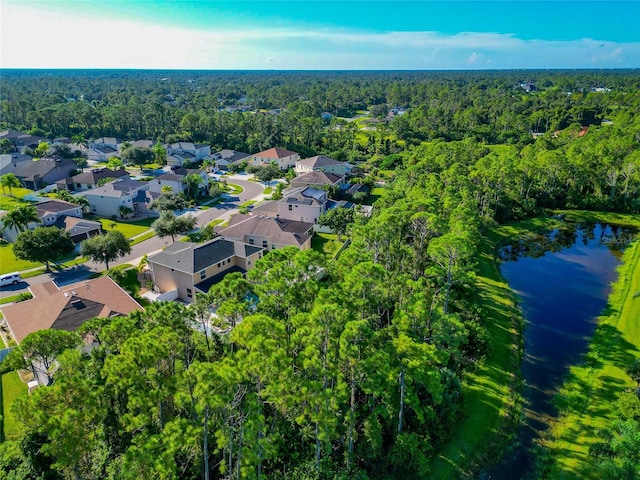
{"points": [[492, 397], [12, 389], [587, 399]]}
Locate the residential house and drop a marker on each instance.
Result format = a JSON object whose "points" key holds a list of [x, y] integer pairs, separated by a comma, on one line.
{"points": [[180, 152], [47, 170], [304, 204], [226, 157], [321, 163], [67, 307], [79, 228], [10, 162], [318, 179], [102, 149], [90, 179], [25, 141], [269, 232], [10, 135], [282, 157], [186, 267], [107, 199], [143, 143], [49, 213], [175, 180]]}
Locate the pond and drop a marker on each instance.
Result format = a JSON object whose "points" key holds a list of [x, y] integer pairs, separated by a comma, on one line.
{"points": [[562, 279]]}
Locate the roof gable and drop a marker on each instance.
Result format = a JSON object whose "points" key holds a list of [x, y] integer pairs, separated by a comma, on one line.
{"points": [[275, 153]]}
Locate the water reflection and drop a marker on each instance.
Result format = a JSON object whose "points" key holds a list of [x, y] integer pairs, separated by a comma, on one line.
{"points": [[563, 279]]}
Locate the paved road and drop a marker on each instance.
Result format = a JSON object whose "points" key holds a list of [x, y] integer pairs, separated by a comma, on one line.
{"points": [[252, 191]]}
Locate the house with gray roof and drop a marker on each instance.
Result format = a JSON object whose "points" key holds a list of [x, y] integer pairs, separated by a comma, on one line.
{"points": [[317, 178], [180, 152], [90, 179], [226, 157], [10, 162], [269, 232], [175, 180], [47, 170], [322, 163], [107, 199], [188, 267]]}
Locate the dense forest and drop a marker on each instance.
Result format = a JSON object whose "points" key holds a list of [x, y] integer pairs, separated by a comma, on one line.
{"points": [[343, 369]]}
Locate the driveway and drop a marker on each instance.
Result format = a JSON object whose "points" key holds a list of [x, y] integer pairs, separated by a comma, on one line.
{"points": [[229, 206]]}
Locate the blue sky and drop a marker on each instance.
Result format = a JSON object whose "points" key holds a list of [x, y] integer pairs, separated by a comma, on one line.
{"points": [[315, 34]]}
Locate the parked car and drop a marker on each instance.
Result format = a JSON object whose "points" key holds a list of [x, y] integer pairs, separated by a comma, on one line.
{"points": [[10, 279]]}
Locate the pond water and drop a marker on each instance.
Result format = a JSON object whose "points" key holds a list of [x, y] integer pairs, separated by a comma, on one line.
{"points": [[562, 279]]}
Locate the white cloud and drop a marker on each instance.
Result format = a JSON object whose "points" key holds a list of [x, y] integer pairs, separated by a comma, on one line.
{"points": [[33, 38]]}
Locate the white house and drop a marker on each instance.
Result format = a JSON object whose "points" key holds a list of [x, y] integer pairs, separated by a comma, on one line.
{"points": [[102, 149], [178, 153], [107, 199], [49, 212], [282, 157]]}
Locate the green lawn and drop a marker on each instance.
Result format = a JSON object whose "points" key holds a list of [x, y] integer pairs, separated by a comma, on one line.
{"points": [[248, 203], [129, 229], [8, 202], [234, 189], [587, 399], [326, 243], [9, 263], [12, 388]]}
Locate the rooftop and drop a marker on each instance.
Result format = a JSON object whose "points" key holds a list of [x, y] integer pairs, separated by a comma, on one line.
{"points": [[319, 161], [191, 257], [275, 153], [68, 307], [278, 230]]}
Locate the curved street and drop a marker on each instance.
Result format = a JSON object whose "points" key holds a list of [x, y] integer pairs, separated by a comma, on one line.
{"points": [[228, 207]]}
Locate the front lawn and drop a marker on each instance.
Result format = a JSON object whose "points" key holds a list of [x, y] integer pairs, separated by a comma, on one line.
{"points": [[9, 263], [128, 229], [234, 189], [11, 389]]}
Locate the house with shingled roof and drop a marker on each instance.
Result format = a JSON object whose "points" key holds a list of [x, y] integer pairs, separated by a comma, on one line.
{"points": [[90, 179], [322, 163], [107, 199], [317, 179], [282, 157], [68, 307], [180, 152], [269, 232], [47, 170], [187, 268]]}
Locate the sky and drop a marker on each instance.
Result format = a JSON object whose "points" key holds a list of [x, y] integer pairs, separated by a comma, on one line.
{"points": [[319, 35]]}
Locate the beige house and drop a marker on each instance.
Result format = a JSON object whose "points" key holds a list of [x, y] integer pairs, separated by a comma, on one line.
{"points": [[282, 157], [269, 232], [321, 163], [188, 267], [107, 199], [181, 152]]}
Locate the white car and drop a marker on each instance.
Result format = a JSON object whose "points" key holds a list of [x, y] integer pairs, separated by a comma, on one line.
{"points": [[10, 279]]}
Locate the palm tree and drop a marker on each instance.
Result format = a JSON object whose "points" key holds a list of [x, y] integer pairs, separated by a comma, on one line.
{"points": [[20, 217], [9, 180]]}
